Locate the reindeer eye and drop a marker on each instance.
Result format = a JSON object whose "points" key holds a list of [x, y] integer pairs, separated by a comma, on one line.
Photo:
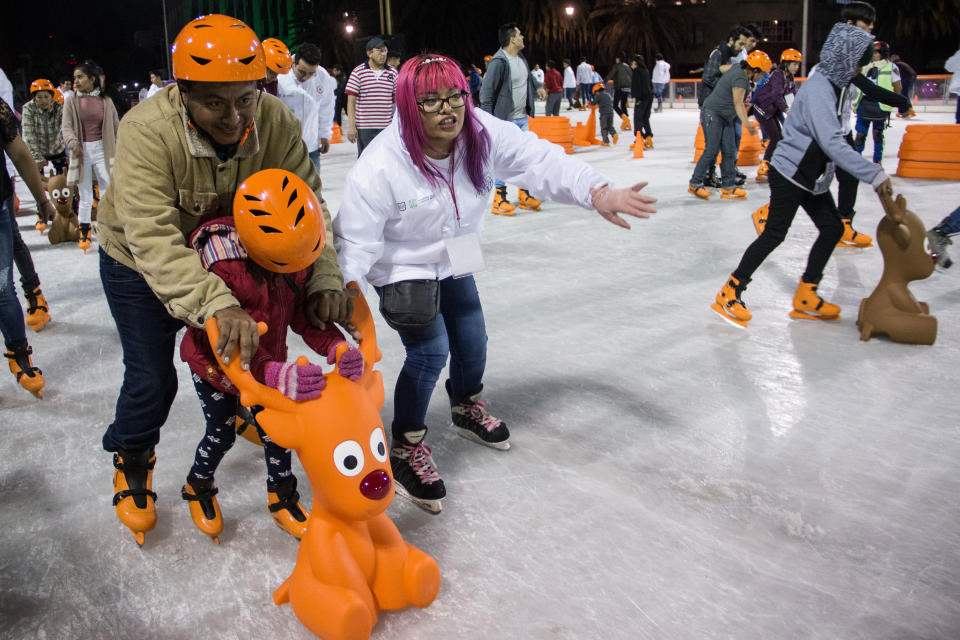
{"points": [[348, 458], [378, 445], [65, 192], [55, 193]]}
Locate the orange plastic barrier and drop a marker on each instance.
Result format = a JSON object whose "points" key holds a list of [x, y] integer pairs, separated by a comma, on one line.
{"points": [[556, 129], [751, 147], [586, 135], [930, 151]]}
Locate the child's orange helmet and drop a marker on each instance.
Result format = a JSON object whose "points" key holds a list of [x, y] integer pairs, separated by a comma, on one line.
{"points": [[791, 55], [279, 221], [42, 84], [759, 60], [58, 96], [277, 55], [217, 48], [597, 87]]}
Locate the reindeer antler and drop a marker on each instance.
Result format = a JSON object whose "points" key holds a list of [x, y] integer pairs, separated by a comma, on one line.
{"points": [[363, 321], [894, 209]]}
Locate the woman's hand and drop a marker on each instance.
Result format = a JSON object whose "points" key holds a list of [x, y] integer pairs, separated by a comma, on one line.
{"points": [[76, 149], [610, 202], [236, 327]]}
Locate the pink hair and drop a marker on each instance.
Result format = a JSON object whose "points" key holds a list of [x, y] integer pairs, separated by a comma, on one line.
{"points": [[428, 73]]}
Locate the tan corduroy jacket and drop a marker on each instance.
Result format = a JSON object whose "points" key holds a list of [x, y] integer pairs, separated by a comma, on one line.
{"points": [[167, 177]]}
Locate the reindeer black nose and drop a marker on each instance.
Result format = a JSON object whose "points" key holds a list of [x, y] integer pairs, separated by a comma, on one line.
{"points": [[375, 485]]}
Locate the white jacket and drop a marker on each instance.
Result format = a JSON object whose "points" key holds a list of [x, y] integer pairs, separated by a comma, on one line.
{"points": [[584, 73], [392, 223], [312, 102], [953, 66], [661, 72], [569, 79]]}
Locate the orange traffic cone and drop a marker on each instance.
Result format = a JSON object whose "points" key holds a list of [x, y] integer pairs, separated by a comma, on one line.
{"points": [[337, 134], [638, 146]]}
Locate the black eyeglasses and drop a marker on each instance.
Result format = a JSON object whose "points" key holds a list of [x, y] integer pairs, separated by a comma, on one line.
{"points": [[433, 105]]}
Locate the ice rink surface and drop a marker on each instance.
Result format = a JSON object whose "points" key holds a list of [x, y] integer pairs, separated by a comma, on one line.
{"points": [[671, 477]]}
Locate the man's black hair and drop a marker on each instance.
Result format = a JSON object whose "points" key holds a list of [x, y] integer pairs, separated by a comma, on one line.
{"points": [[308, 52], [160, 73], [736, 32], [659, 56], [753, 31], [621, 56], [858, 11], [505, 32], [551, 64]]}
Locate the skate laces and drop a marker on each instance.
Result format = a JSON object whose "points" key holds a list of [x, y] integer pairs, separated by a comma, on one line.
{"points": [[477, 412], [420, 459]]}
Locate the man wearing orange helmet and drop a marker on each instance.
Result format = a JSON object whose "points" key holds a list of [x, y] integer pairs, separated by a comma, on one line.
{"points": [[279, 61], [42, 117], [179, 159]]}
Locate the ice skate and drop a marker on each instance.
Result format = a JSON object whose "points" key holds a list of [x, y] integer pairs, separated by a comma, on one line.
{"points": [[472, 421], [648, 142], [41, 225], [246, 425], [616, 138], [204, 510], [700, 192], [760, 218], [729, 306], [853, 238], [526, 201], [712, 180], [84, 242], [285, 508], [21, 365], [501, 205], [38, 311], [415, 472], [625, 123], [741, 179], [808, 305], [938, 248], [733, 194], [133, 496], [763, 171]]}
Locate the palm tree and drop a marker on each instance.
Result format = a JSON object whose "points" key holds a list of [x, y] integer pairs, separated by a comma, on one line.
{"points": [[635, 26], [549, 31]]}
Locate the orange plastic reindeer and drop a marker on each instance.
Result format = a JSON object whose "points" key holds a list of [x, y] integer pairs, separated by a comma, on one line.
{"points": [[352, 561]]}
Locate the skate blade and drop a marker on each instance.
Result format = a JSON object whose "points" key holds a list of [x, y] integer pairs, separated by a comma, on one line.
{"points": [[216, 539], [738, 323], [853, 245], [529, 208], [470, 435], [501, 212], [432, 507], [802, 315], [139, 536]]}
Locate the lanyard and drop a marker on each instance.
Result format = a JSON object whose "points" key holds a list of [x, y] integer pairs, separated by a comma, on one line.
{"points": [[449, 183]]}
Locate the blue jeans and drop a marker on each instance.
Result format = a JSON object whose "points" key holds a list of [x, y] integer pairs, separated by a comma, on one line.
{"points": [[658, 92], [951, 224], [11, 313], [586, 93], [524, 126], [148, 336], [459, 331], [315, 158], [718, 135], [568, 93], [737, 135]]}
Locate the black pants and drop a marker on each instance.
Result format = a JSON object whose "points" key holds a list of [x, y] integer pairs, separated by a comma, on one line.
{"points": [[620, 98], [641, 116], [785, 199], [21, 255], [774, 132], [847, 187]]}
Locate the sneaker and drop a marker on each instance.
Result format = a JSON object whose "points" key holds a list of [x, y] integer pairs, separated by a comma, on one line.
{"points": [[415, 472], [472, 421], [938, 248]]}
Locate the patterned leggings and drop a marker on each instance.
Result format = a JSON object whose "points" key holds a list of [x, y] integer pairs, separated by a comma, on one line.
{"points": [[220, 411]]}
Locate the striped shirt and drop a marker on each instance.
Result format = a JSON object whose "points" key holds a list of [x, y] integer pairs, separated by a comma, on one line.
{"points": [[375, 95], [41, 130]]}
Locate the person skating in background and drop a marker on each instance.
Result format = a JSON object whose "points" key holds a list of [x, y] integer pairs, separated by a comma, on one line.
{"points": [[908, 78], [370, 95], [180, 157], [90, 122], [156, 82], [42, 118], [537, 73], [718, 63], [952, 65], [939, 237], [476, 81], [604, 99], [871, 113], [800, 174], [309, 92], [263, 253], [340, 97], [569, 83], [585, 80], [661, 78], [642, 91], [18, 351], [66, 88], [508, 93], [553, 83], [622, 78], [424, 153], [279, 62], [770, 103], [717, 117]]}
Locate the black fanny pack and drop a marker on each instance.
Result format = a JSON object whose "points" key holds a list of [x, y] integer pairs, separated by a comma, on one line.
{"points": [[410, 304]]}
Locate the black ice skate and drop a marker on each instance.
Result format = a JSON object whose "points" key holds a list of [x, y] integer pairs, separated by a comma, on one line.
{"points": [[415, 472], [472, 421]]}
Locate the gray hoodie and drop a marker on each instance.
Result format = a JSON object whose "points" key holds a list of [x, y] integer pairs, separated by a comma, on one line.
{"points": [[813, 143]]}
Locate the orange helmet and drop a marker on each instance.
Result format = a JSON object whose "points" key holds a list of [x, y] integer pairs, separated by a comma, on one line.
{"points": [[277, 55], [42, 84], [217, 48], [759, 60], [597, 87], [279, 221], [58, 96], [791, 55]]}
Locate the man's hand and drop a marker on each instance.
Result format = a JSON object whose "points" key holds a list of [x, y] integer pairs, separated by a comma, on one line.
{"points": [[324, 145], [885, 190], [542, 93], [352, 133], [236, 326], [750, 127], [77, 149], [46, 211], [332, 306], [611, 202]]}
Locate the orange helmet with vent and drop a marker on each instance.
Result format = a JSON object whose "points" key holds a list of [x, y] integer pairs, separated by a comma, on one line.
{"points": [[759, 60], [791, 55], [42, 84], [58, 96], [279, 221], [217, 48], [277, 55]]}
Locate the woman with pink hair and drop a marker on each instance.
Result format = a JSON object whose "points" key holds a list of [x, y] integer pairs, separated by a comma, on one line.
{"points": [[410, 224]]}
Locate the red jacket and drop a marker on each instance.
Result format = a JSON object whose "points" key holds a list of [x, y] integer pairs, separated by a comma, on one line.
{"points": [[278, 301], [553, 81]]}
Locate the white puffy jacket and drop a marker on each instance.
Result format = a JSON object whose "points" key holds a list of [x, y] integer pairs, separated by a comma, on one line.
{"points": [[392, 223], [312, 102], [953, 66]]}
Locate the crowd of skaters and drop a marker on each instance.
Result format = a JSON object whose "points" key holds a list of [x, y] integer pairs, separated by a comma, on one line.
{"points": [[419, 115]]}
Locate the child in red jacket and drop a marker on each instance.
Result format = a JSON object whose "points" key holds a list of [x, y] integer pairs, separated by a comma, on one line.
{"points": [[264, 253]]}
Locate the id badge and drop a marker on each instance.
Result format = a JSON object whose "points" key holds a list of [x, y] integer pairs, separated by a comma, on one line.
{"points": [[465, 254]]}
